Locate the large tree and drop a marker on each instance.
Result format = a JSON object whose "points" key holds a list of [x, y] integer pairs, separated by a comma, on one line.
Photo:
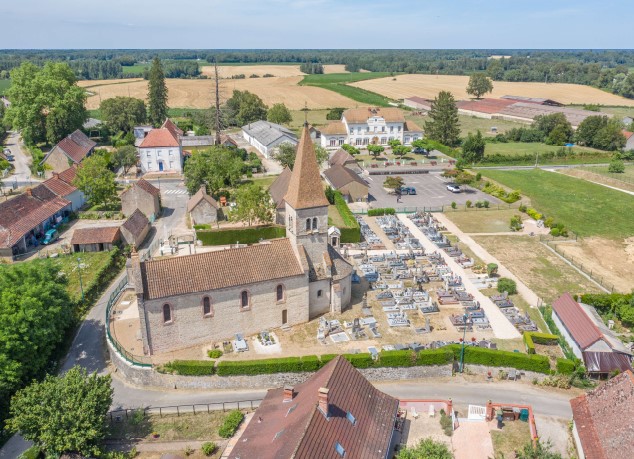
{"points": [[473, 147], [479, 84], [601, 132], [253, 205], [279, 114], [125, 157], [217, 168], [555, 128], [157, 93], [123, 113], [286, 153], [443, 124], [96, 181], [375, 150], [64, 413], [244, 107], [46, 103]]}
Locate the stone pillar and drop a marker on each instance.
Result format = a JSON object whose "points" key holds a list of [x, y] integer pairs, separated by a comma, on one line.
{"points": [[490, 413], [449, 407]]}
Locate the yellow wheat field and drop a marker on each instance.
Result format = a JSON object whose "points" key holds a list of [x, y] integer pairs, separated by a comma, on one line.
{"points": [[227, 71], [429, 86], [198, 93]]}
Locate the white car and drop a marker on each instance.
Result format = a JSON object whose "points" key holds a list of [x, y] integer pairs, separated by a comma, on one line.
{"points": [[454, 188]]}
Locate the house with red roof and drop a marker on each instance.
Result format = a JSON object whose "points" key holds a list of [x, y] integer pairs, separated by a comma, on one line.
{"points": [[590, 339], [70, 151], [61, 183], [629, 140], [161, 149]]}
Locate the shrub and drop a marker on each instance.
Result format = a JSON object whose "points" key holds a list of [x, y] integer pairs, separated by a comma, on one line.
{"points": [[190, 367], [214, 353], [616, 166], [485, 203], [478, 177], [447, 424], [549, 222], [507, 285], [555, 232], [249, 235], [497, 358], [434, 356], [530, 338], [381, 211], [231, 424], [468, 203], [359, 360], [453, 204], [565, 366], [492, 269], [534, 214], [516, 223], [522, 208], [208, 448]]}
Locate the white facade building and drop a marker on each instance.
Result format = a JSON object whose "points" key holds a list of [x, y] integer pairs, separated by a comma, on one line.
{"points": [[266, 137], [364, 126]]}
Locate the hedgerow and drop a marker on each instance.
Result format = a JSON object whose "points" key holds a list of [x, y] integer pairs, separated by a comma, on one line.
{"points": [[497, 358], [231, 424], [530, 338], [190, 367]]}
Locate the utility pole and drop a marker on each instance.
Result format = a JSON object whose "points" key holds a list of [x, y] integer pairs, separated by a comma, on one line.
{"points": [[217, 102]]}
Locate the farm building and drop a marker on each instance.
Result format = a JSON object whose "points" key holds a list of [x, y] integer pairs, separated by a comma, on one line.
{"points": [[197, 141], [265, 136], [335, 413], [534, 100], [372, 125], [629, 140], [278, 190], [418, 103], [95, 239], [135, 228], [591, 341], [602, 419], [61, 183], [227, 141], [161, 151], [342, 158], [143, 196], [202, 208], [350, 184], [70, 150]]}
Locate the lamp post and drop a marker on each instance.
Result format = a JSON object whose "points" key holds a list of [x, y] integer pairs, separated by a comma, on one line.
{"points": [[464, 335], [81, 285]]}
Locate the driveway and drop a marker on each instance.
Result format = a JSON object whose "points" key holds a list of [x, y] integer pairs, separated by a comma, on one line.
{"points": [[431, 191], [22, 173]]}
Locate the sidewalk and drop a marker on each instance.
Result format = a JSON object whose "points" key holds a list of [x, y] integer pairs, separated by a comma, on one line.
{"points": [[501, 326]]}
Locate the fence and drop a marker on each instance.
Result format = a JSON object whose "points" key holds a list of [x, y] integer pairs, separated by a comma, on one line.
{"points": [[140, 361], [126, 413], [444, 208], [588, 270]]}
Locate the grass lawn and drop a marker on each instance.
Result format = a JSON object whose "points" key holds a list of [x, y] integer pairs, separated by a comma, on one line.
{"points": [[483, 221], [4, 86], [522, 148], [137, 68], [540, 269], [619, 111], [334, 218], [472, 124], [585, 208], [627, 176], [513, 436], [338, 82], [264, 182]]}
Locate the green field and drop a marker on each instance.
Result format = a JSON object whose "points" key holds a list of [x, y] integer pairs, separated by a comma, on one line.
{"points": [[585, 208], [627, 176], [472, 124], [522, 148], [619, 111], [4, 86], [338, 82], [137, 68]]}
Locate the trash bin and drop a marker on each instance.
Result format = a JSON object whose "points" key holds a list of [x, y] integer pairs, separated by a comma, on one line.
{"points": [[524, 415]]}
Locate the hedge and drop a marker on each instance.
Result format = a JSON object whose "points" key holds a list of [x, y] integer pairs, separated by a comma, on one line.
{"points": [[530, 338], [191, 367], [231, 424], [381, 211], [409, 358], [268, 366], [360, 360], [248, 235], [497, 358], [351, 232], [565, 366]]}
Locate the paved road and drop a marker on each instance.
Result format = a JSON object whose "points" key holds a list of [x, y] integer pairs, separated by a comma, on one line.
{"points": [[21, 174]]}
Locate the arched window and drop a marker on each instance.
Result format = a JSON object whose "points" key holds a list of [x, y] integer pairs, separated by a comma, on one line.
{"points": [[206, 306], [315, 222], [308, 224], [244, 299], [279, 293], [167, 313]]}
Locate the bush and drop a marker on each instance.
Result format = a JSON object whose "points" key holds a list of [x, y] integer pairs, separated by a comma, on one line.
{"points": [[446, 423], [534, 214], [616, 166], [516, 223], [497, 358], [530, 338], [492, 269], [381, 211], [249, 235], [555, 232], [486, 204], [565, 366], [522, 208], [453, 204], [214, 353], [231, 424], [468, 203], [507, 285], [190, 367], [501, 193]]}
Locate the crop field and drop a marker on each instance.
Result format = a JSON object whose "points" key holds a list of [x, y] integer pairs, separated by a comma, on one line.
{"points": [[429, 86], [339, 83], [278, 70]]}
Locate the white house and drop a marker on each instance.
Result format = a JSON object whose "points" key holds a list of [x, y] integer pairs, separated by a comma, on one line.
{"points": [[161, 150], [265, 136], [371, 125]]}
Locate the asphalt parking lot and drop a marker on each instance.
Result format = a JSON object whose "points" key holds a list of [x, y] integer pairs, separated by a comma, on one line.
{"points": [[431, 191]]}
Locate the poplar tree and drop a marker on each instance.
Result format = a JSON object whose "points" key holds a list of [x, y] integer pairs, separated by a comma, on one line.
{"points": [[157, 94]]}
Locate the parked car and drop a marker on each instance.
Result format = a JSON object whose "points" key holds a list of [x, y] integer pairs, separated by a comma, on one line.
{"points": [[10, 158], [454, 188], [50, 236], [420, 151], [410, 190]]}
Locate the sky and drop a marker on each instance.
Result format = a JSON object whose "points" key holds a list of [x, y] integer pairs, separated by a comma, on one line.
{"points": [[316, 24]]}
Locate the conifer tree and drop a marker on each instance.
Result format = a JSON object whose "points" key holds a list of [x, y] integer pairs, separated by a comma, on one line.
{"points": [[443, 125], [157, 94]]}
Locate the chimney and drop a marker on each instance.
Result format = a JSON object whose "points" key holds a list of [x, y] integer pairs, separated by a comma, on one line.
{"points": [[323, 400], [289, 393], [29, 192]]}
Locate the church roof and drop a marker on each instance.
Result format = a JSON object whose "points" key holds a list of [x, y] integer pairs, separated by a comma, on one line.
{"points": [[305, 189], [279, 187]]}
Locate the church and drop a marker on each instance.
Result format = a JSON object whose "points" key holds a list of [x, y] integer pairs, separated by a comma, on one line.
{"points": [[196, 299]]}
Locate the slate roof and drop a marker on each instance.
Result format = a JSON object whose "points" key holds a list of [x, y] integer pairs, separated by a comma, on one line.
{"points": [[340, 176], [361, 115], [76, 146], [136, 223], [581, 328], [274, 259], [603, 418], [299, 429], [200, 195], [267, 133], [162, 137], [103, 235], [279, 187], [305, 189]]}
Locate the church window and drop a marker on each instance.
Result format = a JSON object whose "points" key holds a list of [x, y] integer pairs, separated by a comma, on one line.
{"points": [[279, 293], [315, 223], [206, 306], [244, 299], [167, 313], [308, 225]]}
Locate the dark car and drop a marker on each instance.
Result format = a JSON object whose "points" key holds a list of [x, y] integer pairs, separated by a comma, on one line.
{"points": [[420, 151]]}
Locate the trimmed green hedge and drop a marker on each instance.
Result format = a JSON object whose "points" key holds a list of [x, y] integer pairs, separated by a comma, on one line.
{"points": [[409, 358], [530, 338], [497, 358], [191, 367], [248, 235], [268, 366], [381, 211], [351, 233], [231, 424], [565, 366]]}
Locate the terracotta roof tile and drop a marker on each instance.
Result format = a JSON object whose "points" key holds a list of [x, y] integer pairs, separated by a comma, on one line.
{"points": [[59, 187], [361, 115], [489, 106], [136, 223], [76, 146], [341, 157], [410, 126], [305, 189], [162, 137], [69, 174], [103, 235], [603, 418], [334, 128], [275, 259], [200, 195], [170, 126], [579, 325], [340, 176], [148, 187], [299, 429]]}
